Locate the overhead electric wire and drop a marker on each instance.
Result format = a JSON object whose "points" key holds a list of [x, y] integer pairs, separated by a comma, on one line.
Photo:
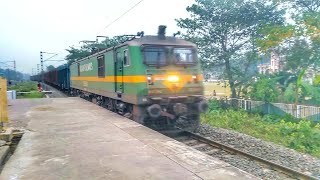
{"points": [[123, 14]]}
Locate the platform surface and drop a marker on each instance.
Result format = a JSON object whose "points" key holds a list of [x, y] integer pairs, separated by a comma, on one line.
{"points": [[70, 138]]}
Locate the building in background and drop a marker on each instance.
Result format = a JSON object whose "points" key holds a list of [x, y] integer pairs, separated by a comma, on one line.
{"points": [[275, 63], [271, 64]]}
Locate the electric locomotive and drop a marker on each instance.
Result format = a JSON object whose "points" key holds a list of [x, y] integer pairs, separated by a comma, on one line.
{"points": [[154, 80]]}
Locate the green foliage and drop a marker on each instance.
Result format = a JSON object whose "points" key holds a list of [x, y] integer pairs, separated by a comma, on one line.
{"points": [[305, 5], [317, 80], [214, 105], [272, 36], [31, 95], [24, 87], [310, 94], [298, 40], [300, 56], [87, 49], [76, 54], [300, 135], [289, 94], [265, 89], [11, 74], [27, 87], [225, 32]]}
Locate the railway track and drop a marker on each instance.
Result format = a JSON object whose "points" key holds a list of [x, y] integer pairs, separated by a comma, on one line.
{"points": [[213, 148]]}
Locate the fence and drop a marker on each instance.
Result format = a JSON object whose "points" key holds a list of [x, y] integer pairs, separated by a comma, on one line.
{"points": [[299, 111]]}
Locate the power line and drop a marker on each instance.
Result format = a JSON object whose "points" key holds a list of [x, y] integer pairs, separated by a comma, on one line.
{"points": [[127, 11], [121, 15]]}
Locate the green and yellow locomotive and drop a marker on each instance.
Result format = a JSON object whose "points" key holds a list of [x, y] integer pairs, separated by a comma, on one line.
{"points": [[154, 80]]}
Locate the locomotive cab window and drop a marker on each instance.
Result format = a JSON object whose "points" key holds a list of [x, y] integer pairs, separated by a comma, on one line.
{"points": [[156, 56], [101, 68], [126, 60], [184, 55]]}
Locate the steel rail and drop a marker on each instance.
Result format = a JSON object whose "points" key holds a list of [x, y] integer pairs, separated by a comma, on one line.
{"points": [[278, 167]]}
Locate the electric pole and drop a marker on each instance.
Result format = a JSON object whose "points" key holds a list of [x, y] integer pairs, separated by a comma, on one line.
{"points": [[14, 65], [41, 60]]}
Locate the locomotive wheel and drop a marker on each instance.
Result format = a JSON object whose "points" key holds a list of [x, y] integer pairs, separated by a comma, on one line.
{"points": [[110, 104], [129, 112], [94, 100]]}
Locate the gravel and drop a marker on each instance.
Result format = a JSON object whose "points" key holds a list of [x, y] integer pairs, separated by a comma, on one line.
{"points": [[267, 150]]}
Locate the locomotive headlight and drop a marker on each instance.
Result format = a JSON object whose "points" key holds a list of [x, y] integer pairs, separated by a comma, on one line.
{"points": [[149, 78], [195, 78], [173, 78]]}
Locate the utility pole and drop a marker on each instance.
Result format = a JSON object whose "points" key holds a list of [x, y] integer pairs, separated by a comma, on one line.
{"points": [[48, 59], [41, 60], [14, 65], [38, 70], [15, 70]]}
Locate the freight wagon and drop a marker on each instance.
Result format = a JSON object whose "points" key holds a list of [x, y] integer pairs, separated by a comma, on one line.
{"points": [[59, 78]]}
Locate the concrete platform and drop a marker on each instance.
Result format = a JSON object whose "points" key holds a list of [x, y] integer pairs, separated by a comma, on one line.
{"points": [[69, 138]]}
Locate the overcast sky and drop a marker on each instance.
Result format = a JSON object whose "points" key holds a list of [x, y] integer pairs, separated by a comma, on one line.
{"points": [[30, 26]]}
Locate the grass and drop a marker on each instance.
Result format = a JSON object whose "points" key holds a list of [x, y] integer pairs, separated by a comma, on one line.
{"points": [[218, 87], [27, 87], [24, 87], [303, 135], [33, 94]]}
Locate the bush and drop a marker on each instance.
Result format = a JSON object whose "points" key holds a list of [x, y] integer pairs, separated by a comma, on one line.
{"points": [[24, 87], [303, 136], [27, 87], [31, 95], [214, 105]]}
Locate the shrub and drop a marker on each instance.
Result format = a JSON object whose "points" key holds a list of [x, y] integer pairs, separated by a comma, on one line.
{"points": [[303, 135], [24, 87]]}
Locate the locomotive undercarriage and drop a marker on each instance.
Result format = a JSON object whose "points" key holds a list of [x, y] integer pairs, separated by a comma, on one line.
{"points": [[156, 116]]}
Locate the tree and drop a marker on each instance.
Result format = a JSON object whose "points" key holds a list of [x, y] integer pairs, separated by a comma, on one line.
{"points": [[11, 74], [87, 49], [299, 42], [304, 52], [265, 89], [226, 31], [316, 80], [305, 5], [50, 68], [76, 54]]}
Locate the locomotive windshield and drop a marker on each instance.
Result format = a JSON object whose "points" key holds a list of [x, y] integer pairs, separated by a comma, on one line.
{"points": [[184, 55], [155, 56]]}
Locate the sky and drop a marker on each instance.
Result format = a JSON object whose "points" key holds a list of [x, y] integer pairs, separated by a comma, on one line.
{"points": [[30, 26]]}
